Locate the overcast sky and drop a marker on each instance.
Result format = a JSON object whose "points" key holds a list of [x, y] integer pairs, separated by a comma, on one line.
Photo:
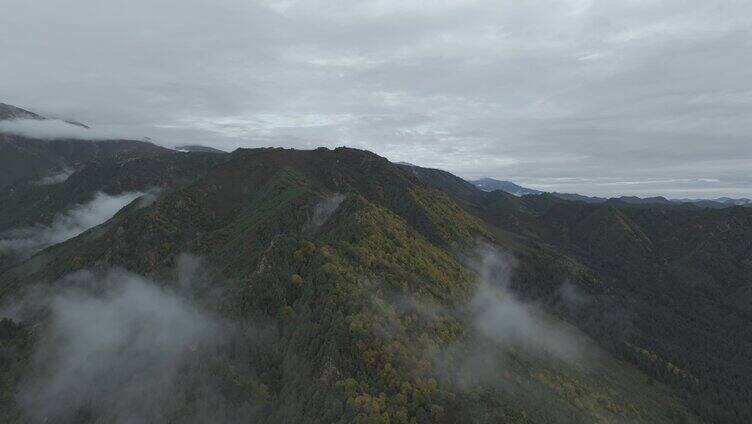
{"points": [[598, 97]]}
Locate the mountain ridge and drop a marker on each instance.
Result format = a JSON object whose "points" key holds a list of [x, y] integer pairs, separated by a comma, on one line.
{"points": [[392, 236], [26, 159], [375, 280], [490, 184]]}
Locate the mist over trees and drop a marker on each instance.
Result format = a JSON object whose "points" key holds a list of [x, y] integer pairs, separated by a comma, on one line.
{"points": [[24, 242], [334, 286]]}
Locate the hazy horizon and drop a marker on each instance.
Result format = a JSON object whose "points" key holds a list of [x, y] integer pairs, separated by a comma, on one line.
{"points": [[597, 98]]}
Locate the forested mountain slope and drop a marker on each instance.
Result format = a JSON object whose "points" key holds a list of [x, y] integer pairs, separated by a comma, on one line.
{"points": [[674, 293], [29, 159], [346, 288], [23, 158]]}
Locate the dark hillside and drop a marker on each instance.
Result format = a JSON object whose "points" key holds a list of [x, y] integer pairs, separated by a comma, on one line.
{"points": [[24, 159], [8, 112], [673, 292], [363, 274]]}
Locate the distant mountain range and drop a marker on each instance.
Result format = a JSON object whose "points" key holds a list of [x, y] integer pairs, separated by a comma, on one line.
{"points": [[335, 286], [198, 148], [490, 184], [8, 112], [25, 158]]}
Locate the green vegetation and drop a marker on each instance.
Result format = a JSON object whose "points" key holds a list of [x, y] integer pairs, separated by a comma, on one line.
{"points": [[664, 287], [364, 318]]}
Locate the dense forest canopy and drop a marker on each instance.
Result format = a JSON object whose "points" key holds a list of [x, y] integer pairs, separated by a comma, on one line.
{"points": [[334, 286]]}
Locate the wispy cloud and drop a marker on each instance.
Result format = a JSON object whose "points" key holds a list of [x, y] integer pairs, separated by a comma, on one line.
{"points": [[52, 129], [113, 347], [24, 242], [502, 318], [122, 348], [466, 86], [323, 210], [497, 323], [55, 178]]}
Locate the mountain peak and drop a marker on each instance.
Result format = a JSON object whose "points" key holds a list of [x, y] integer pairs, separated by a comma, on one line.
{"points": [[198, 148], [8, 112], [491, 184]]}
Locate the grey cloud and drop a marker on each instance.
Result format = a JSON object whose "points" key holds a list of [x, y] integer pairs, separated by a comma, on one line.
{"points": [[324, 209], [526, 90], [96, 332], [55, 178], [104, 332], [500, 317], [26, 241], [499, 324], [57, 129], [571, 300], [149, 196]]}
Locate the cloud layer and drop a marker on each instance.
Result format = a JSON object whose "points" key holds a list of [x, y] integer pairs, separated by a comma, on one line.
{"points": [[112, 348], [56, 178], [500, 317], [23, 242], [569, 95], [498, 326], [323, 210], [55, 129]]}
